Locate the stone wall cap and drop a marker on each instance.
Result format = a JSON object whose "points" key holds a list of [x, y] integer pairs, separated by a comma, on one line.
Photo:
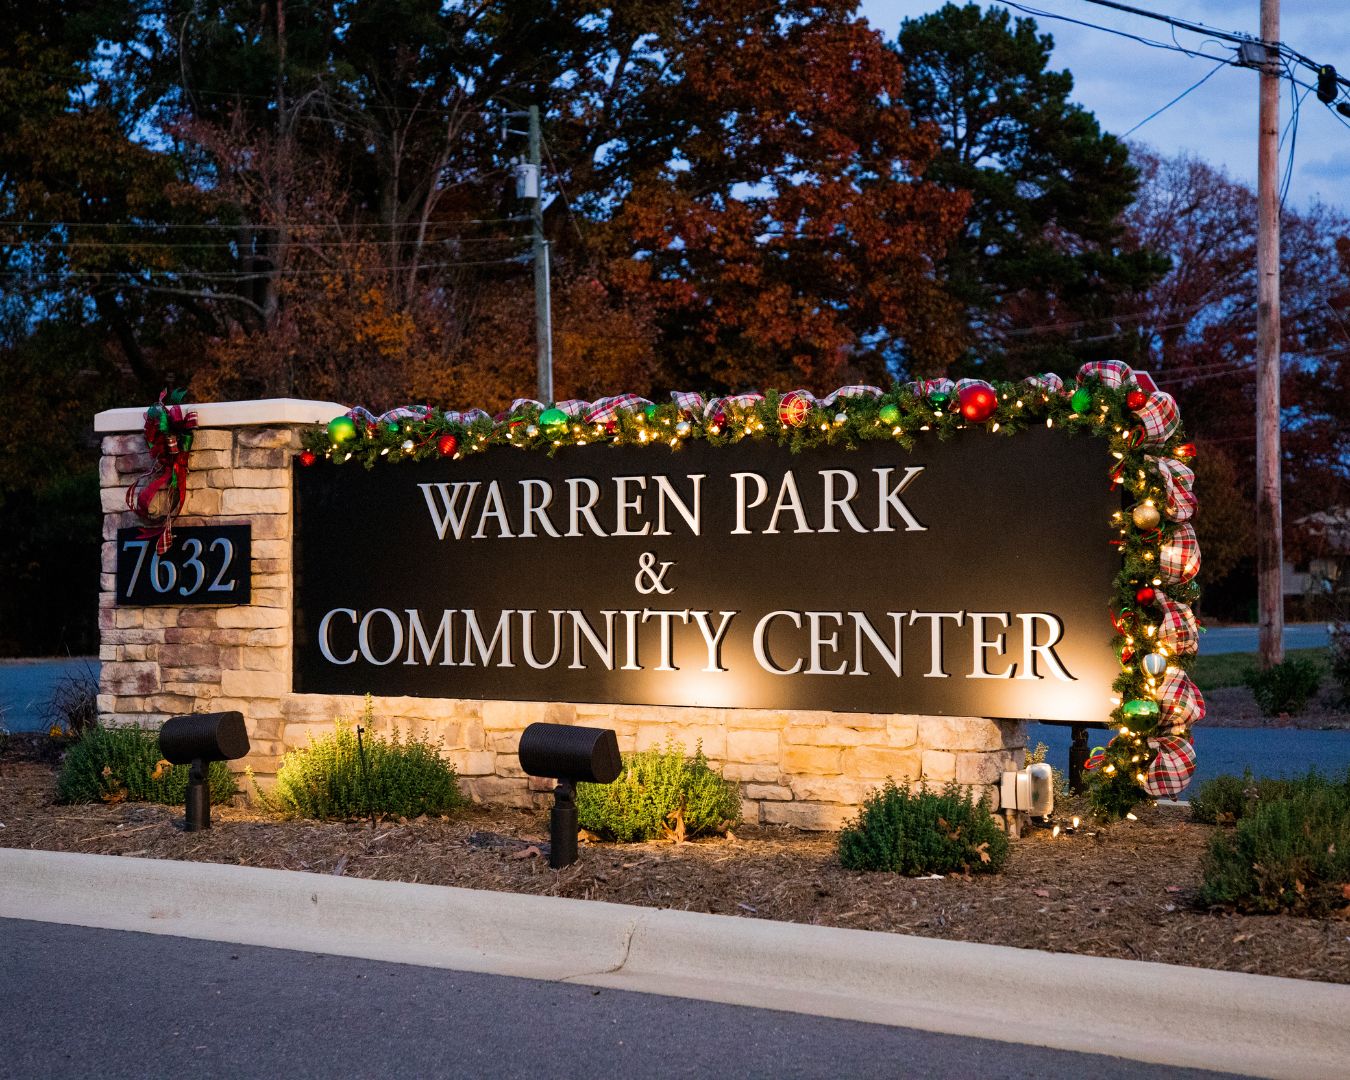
{"points": [[217, 414]]}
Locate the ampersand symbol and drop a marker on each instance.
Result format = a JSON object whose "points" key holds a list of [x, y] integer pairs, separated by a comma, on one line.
{"points": [[649, 579]]}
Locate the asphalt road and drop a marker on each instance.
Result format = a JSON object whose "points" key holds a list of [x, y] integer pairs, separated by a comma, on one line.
{"points": [[78, 1002]]}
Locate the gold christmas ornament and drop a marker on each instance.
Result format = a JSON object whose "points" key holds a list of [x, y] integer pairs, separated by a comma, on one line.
{"points": [[1145, 516]]}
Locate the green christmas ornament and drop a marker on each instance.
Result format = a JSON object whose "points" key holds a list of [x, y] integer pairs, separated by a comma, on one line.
{"points": [[392, 425], [889, 414], [939, 398], [1141, 709], [650, 411], [341, 428], [1081, 401], [551, 418]]}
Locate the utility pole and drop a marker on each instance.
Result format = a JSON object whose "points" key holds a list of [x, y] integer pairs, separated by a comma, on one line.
{"points": [[543, 328], [1269, 534]]}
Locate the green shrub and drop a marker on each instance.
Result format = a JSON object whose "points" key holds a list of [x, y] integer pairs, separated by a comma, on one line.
{"points": [[1340, 660], [661, 794], [111, 764], [1290, 854], [325, 780], [1286, 687], [924, 832], [1226, 800]]}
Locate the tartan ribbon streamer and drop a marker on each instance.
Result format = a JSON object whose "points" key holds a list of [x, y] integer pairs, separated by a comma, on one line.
{"points": [[1049, 382], [1178, 630], [168, 434], [608, 408], [524, 403], [1177, 481], [738, 400], [1182, 703], [1159, 418], [403, 412], [688, 402], [1113, 373], [1172, 766], [1179, 556], [469, 416], [928, 387], [573, 407], [854, 391]]}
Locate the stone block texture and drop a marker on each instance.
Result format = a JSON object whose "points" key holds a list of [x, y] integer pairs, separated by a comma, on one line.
{"points": [[807, 769]]}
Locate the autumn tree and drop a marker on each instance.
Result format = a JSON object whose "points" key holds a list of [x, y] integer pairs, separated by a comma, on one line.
{"points": [[1194, 328], [1040, 263], [774, 210]]}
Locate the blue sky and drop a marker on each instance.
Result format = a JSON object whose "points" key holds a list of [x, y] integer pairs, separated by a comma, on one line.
{"points": [[1122, 81]]}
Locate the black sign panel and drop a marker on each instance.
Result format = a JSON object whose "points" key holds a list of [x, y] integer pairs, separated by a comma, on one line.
{"points": [[206, 564], [968, 578]]}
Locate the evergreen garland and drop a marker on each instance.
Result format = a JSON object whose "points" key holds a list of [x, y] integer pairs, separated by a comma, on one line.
{"points": [[903, 416]]}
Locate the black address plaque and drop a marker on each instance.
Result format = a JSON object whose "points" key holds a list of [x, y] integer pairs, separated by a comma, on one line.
{"points": [[206, 564]]}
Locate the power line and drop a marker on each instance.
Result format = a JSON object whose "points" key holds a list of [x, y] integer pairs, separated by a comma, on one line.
{"points": [[255, 226], [246, 275], [1152, 42], [1180, 24], [157, 245], [1194, 86]]}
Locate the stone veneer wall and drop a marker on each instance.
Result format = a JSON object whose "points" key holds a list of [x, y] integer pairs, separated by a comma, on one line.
{"points": [[809, 769]]}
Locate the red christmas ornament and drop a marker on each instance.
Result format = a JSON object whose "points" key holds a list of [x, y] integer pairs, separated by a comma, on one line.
{"points": [[1126, 655], [307, 457], [1136, 400], [446, 445], [978, 402], [794, 408], [1186, 450], [611, 426], [1146, 595]]}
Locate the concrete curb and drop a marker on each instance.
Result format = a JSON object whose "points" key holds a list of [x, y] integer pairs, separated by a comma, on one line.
{"points": [[1249, 1024]]}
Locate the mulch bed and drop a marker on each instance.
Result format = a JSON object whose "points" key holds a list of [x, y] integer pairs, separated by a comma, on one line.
{"points": [[1125, 890]]}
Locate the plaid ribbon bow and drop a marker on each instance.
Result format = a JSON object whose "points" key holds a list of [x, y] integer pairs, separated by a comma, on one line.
{"points": [[1183, 704], [1177, 481], [854, 391], [1179, 556], [1158, 418], [168, 434], [608, 408], [1109, 372], [1178, 630], [1172, 766], [1048, 382]]}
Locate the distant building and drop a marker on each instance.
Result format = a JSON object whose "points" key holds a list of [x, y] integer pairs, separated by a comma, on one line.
{"points": [[1326, 570]]}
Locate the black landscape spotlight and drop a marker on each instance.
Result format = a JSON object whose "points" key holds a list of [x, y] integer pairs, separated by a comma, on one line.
{"points": [[570, 755], [196, 741]]}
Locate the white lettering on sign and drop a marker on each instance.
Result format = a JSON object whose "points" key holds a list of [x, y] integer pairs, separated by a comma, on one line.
{"points": [[659, 504], [823, 643]]}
